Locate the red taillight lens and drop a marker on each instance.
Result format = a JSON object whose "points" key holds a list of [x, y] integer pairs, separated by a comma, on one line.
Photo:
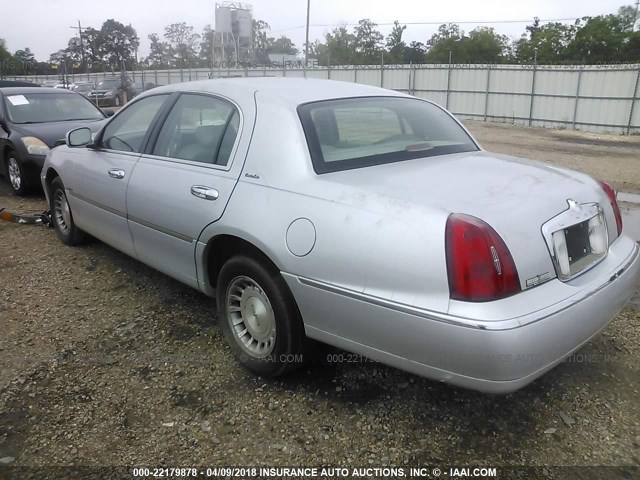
{"points": [[614, 204], [479, 264]]}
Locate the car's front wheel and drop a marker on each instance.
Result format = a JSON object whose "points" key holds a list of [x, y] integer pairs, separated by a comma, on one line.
{"points": [[259, 317], [62, 217], [15, 174], [116, 101]]}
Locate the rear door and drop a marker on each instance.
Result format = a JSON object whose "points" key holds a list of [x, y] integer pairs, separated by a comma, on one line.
{"points": [[183, 182], [97, 184]]}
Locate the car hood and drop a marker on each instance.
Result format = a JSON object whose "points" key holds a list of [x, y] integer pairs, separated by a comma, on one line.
{"points": [[513, 195], [51, 132]]}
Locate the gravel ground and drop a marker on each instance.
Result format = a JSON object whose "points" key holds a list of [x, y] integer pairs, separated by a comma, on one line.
{"points": [[104, 361]]}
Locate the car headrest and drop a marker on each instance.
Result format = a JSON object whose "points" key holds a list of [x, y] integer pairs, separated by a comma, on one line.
{"points": [[209, 135]]}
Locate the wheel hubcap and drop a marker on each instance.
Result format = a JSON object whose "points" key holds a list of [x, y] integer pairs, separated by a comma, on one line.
{"points": [[14, 174], [251, 317], [61, 211]]}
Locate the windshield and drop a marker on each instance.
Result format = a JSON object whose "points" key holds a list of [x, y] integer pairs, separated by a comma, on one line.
{"points": [[84, 88], [107, 84], [50, 107], [361, 132]]}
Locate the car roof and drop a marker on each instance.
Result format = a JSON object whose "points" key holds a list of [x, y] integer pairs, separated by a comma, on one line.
{"points": [[17, 83], [292, 91], [23, 90]]}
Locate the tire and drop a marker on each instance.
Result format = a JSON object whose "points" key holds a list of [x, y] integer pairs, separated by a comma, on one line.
{"points": [[268, 336], [116, 101], [15, 175], [62, 217]]}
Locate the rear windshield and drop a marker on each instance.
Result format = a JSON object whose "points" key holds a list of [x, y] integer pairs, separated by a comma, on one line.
{"points": [[360, 132]]}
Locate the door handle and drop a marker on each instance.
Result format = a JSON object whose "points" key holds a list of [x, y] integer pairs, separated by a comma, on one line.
{"points": [[116, 173], [207, 193]]}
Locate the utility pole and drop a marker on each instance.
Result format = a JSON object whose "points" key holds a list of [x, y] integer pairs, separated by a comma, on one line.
{"points": [[635, 17], [306, 45], [79, 28]]}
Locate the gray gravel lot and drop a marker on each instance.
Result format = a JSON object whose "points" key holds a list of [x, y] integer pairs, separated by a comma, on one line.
{"points": [[104, 361]]}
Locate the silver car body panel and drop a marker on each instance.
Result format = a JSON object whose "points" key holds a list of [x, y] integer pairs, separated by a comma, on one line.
{"points": [[363, 250]]}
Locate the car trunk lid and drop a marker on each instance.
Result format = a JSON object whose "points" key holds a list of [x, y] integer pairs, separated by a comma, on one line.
{"points": [[515, 196]]}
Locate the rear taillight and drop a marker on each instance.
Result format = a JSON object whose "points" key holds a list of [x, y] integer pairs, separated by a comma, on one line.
{"points": [[614, 204], [479, 264]]}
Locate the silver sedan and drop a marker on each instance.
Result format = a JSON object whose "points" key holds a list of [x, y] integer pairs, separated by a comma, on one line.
{"points": [[359, 217]]}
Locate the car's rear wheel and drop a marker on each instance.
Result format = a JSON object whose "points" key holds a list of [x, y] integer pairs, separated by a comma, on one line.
{"points": [[259, 317], [62, 217], [15, 174]]}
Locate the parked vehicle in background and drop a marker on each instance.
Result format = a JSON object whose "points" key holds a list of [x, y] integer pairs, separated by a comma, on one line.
{"points": [[368, 219], [32, 121], [84, 88], [16, 83], [113, 91], [143, 86]]}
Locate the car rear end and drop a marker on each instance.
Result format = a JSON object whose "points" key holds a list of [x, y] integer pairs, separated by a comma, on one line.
{"points": [[537, 263]]}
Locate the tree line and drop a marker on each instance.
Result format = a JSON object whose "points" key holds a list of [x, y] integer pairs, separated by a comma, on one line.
{"points": [[114, 47]]}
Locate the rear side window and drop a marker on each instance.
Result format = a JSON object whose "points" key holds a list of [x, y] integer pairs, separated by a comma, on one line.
{"points": [[199, 128], [361, 132]]}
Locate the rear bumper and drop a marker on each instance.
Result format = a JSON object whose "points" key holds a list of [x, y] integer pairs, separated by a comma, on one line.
{"points": [[494, 357]]}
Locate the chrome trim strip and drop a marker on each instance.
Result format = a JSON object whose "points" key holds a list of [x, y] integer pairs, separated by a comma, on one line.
{"points": [[96, 204], [139, 221], [403, 308], [157, 228], [500, 325]]}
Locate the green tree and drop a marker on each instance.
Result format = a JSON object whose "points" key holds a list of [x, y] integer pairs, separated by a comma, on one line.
{"points": [[119, 44], [92, 42], [447, 40], [628, 18], [338, 48], [261, 40], [415, 52], [283, 45], [368, 42], [395, 45], [206, 45], [183, 42], [600, 39], [7, 62], [26, 61], [159, 52], [545, 44], [484, 45]]}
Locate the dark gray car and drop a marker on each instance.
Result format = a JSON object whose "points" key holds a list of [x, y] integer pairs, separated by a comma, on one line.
{"points": [[32, 121], [113, 91]]}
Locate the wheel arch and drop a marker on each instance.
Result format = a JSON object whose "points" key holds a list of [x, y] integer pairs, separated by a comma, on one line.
{"points": [[51, 174], [221, 248], [4, 155]]}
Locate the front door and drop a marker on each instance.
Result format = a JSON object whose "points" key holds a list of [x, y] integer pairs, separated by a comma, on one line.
{"points": [[97, 185]]}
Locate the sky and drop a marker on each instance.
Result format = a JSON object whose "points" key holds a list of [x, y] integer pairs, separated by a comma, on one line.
{"points": [[44, 25]]}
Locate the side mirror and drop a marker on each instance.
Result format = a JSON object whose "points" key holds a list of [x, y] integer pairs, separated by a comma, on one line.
{"points": [[80, 137], [108, 112]]}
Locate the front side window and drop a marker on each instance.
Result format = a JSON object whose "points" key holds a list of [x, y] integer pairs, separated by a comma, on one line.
{"points": [[50, 107], [127, 130], [199, 128], [360, 132]]}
